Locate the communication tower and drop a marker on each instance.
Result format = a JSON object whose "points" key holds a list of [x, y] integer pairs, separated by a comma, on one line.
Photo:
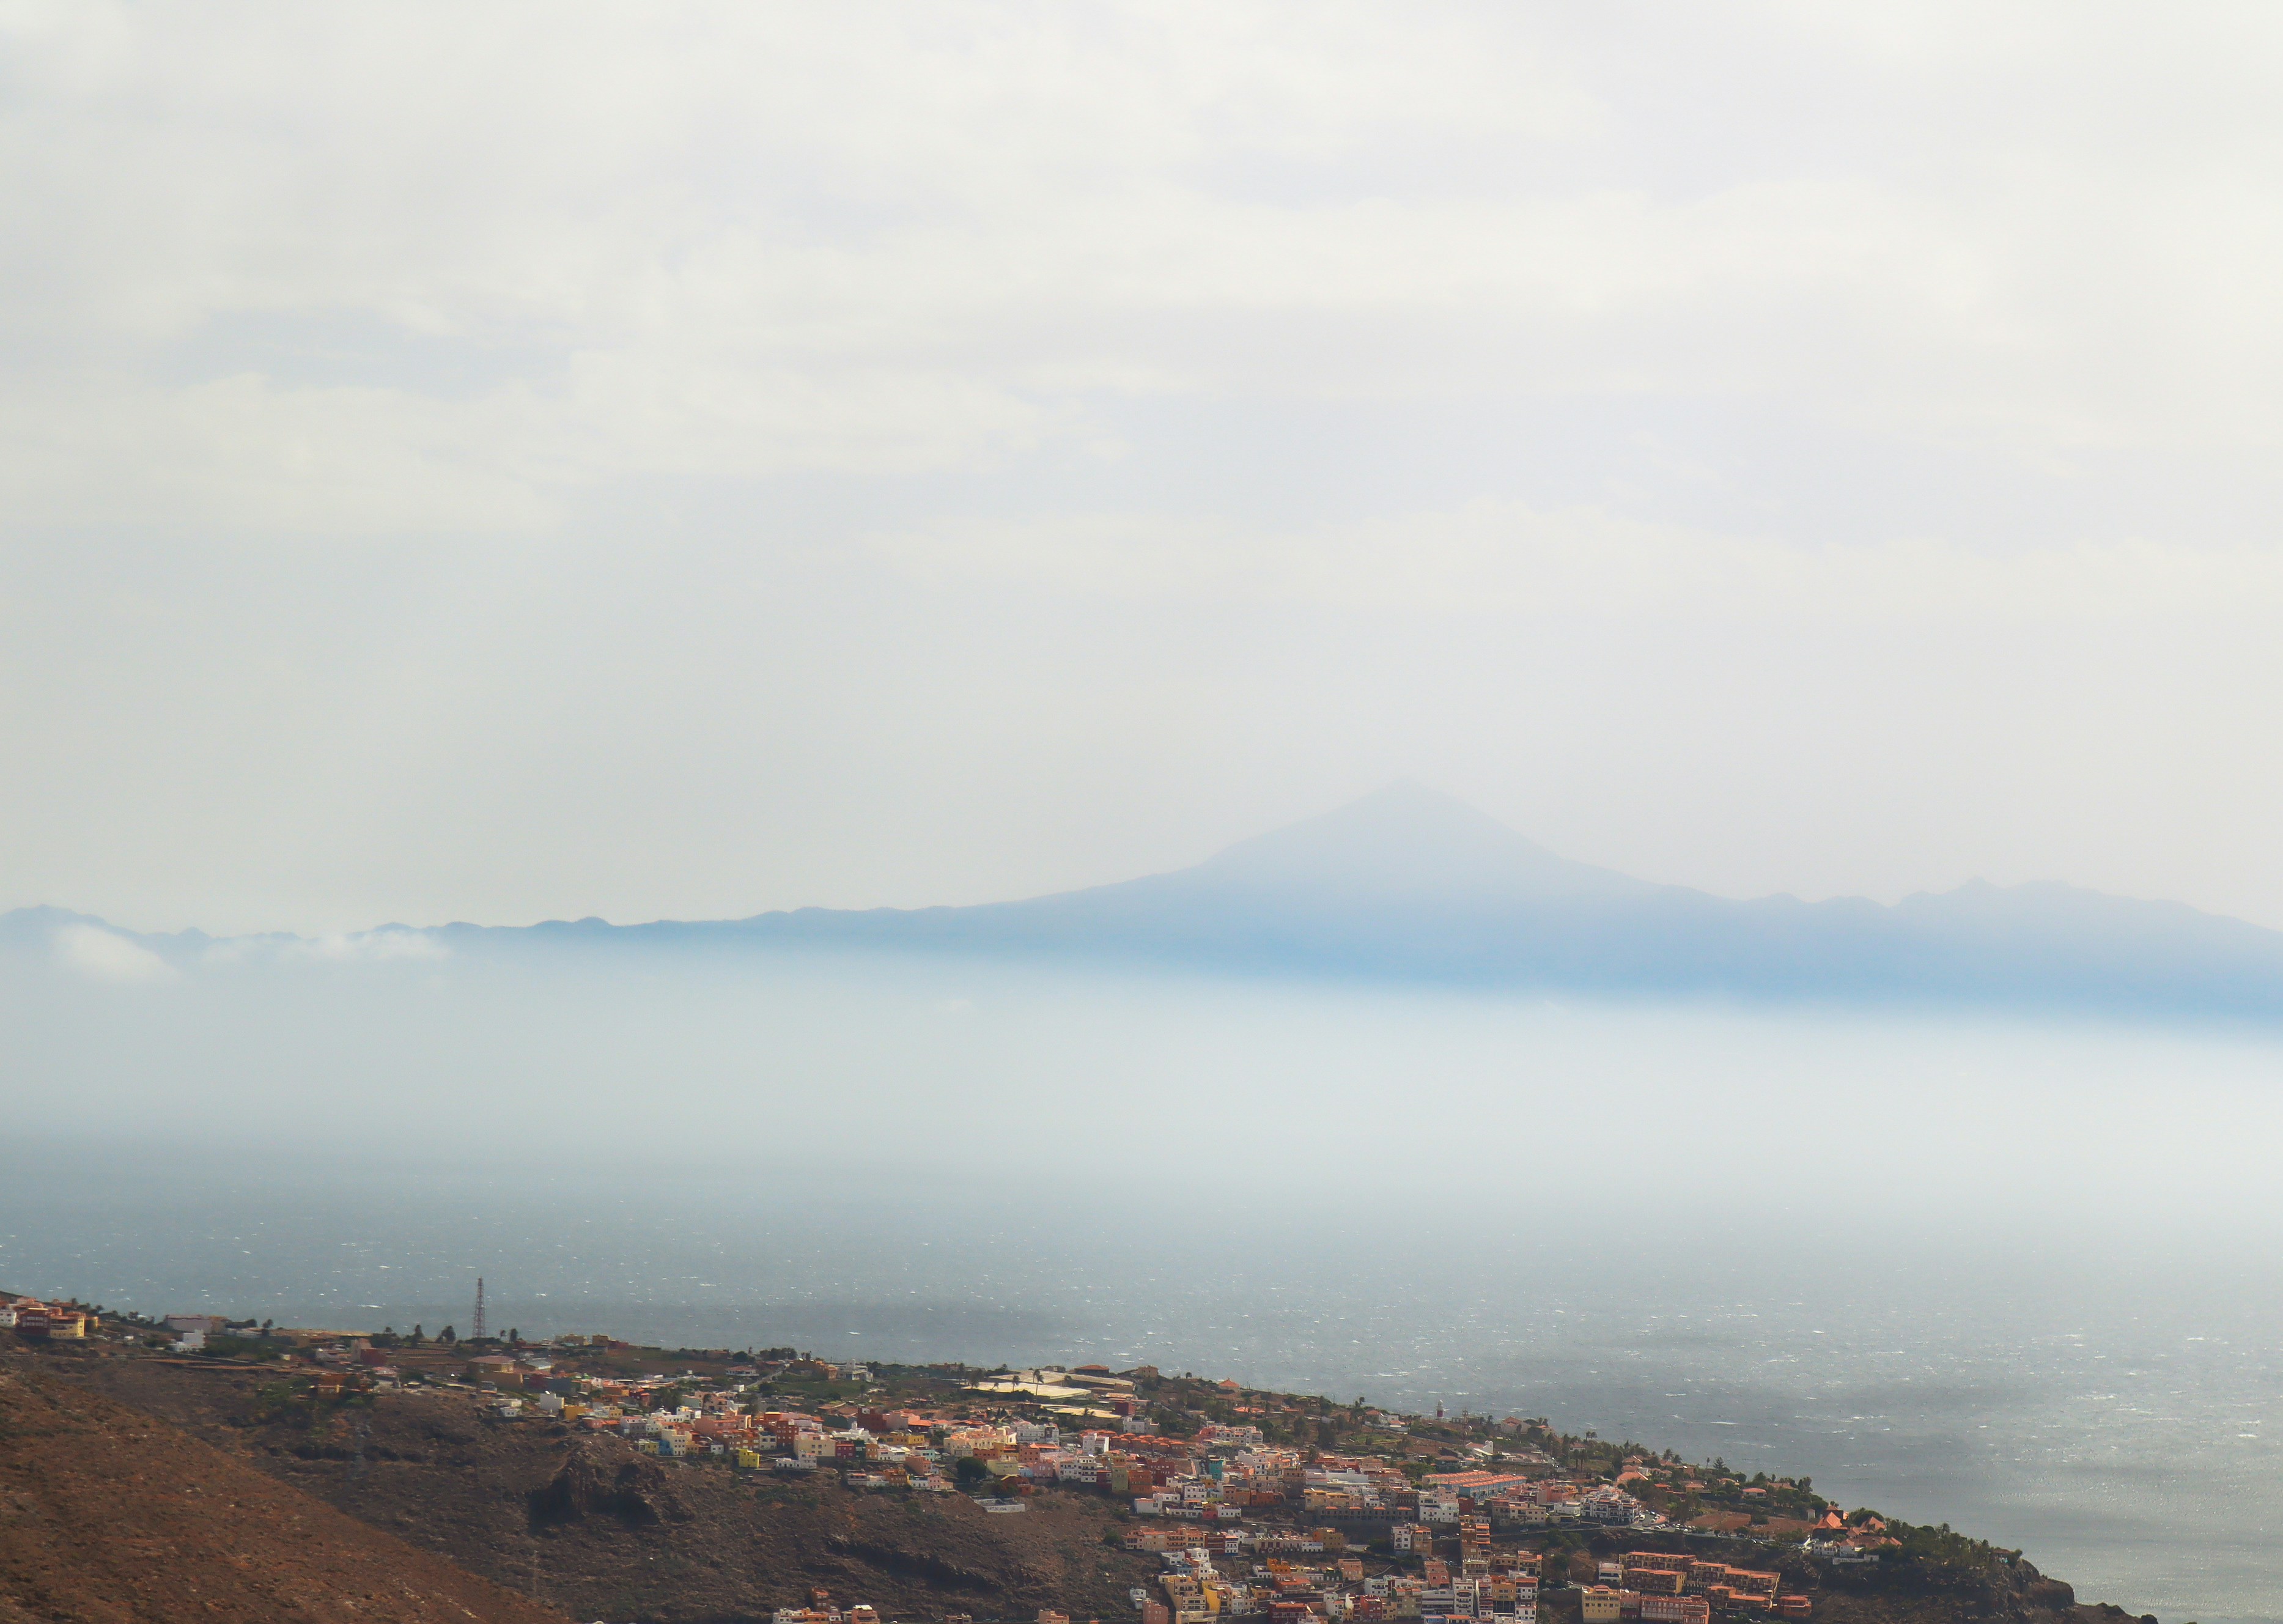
{"points": [[480, 1307]]}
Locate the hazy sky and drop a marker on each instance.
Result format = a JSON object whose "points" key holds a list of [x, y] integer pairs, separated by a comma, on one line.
{"points": [[500, 461]]}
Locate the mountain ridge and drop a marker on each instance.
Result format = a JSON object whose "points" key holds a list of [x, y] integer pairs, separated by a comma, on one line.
{"points": [[1410, 885]]}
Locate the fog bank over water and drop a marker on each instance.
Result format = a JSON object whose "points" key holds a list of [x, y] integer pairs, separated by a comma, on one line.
{"points": [[2006, 1274], [931, 1070]]}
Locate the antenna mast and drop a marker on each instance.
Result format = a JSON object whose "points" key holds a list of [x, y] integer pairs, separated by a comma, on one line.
{"points": [[480, 1309]]}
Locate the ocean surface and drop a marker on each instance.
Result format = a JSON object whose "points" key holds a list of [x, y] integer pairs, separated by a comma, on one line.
{"points": [[2015, 1279]]}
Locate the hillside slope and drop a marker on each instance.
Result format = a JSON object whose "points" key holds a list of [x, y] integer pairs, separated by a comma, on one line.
{"points": [[614, 1533], [594, 1525], [109, 1514]]}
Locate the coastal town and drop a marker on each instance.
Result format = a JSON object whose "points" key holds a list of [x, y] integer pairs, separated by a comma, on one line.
{"points": [[1253, 1504]]}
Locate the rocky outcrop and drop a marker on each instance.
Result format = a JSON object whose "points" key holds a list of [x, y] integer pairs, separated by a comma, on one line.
{"points": [[634, 1492]]}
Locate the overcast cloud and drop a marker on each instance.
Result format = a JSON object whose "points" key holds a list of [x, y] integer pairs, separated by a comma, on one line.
{"points": [[499, 461]]}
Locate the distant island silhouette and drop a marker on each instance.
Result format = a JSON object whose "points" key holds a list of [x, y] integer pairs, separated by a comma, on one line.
{"points": [[1410, 885]]}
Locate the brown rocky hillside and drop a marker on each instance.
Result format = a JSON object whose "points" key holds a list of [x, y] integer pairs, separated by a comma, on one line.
{"points": [[591, 1525], [111, 1516], [585, 1522]]}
